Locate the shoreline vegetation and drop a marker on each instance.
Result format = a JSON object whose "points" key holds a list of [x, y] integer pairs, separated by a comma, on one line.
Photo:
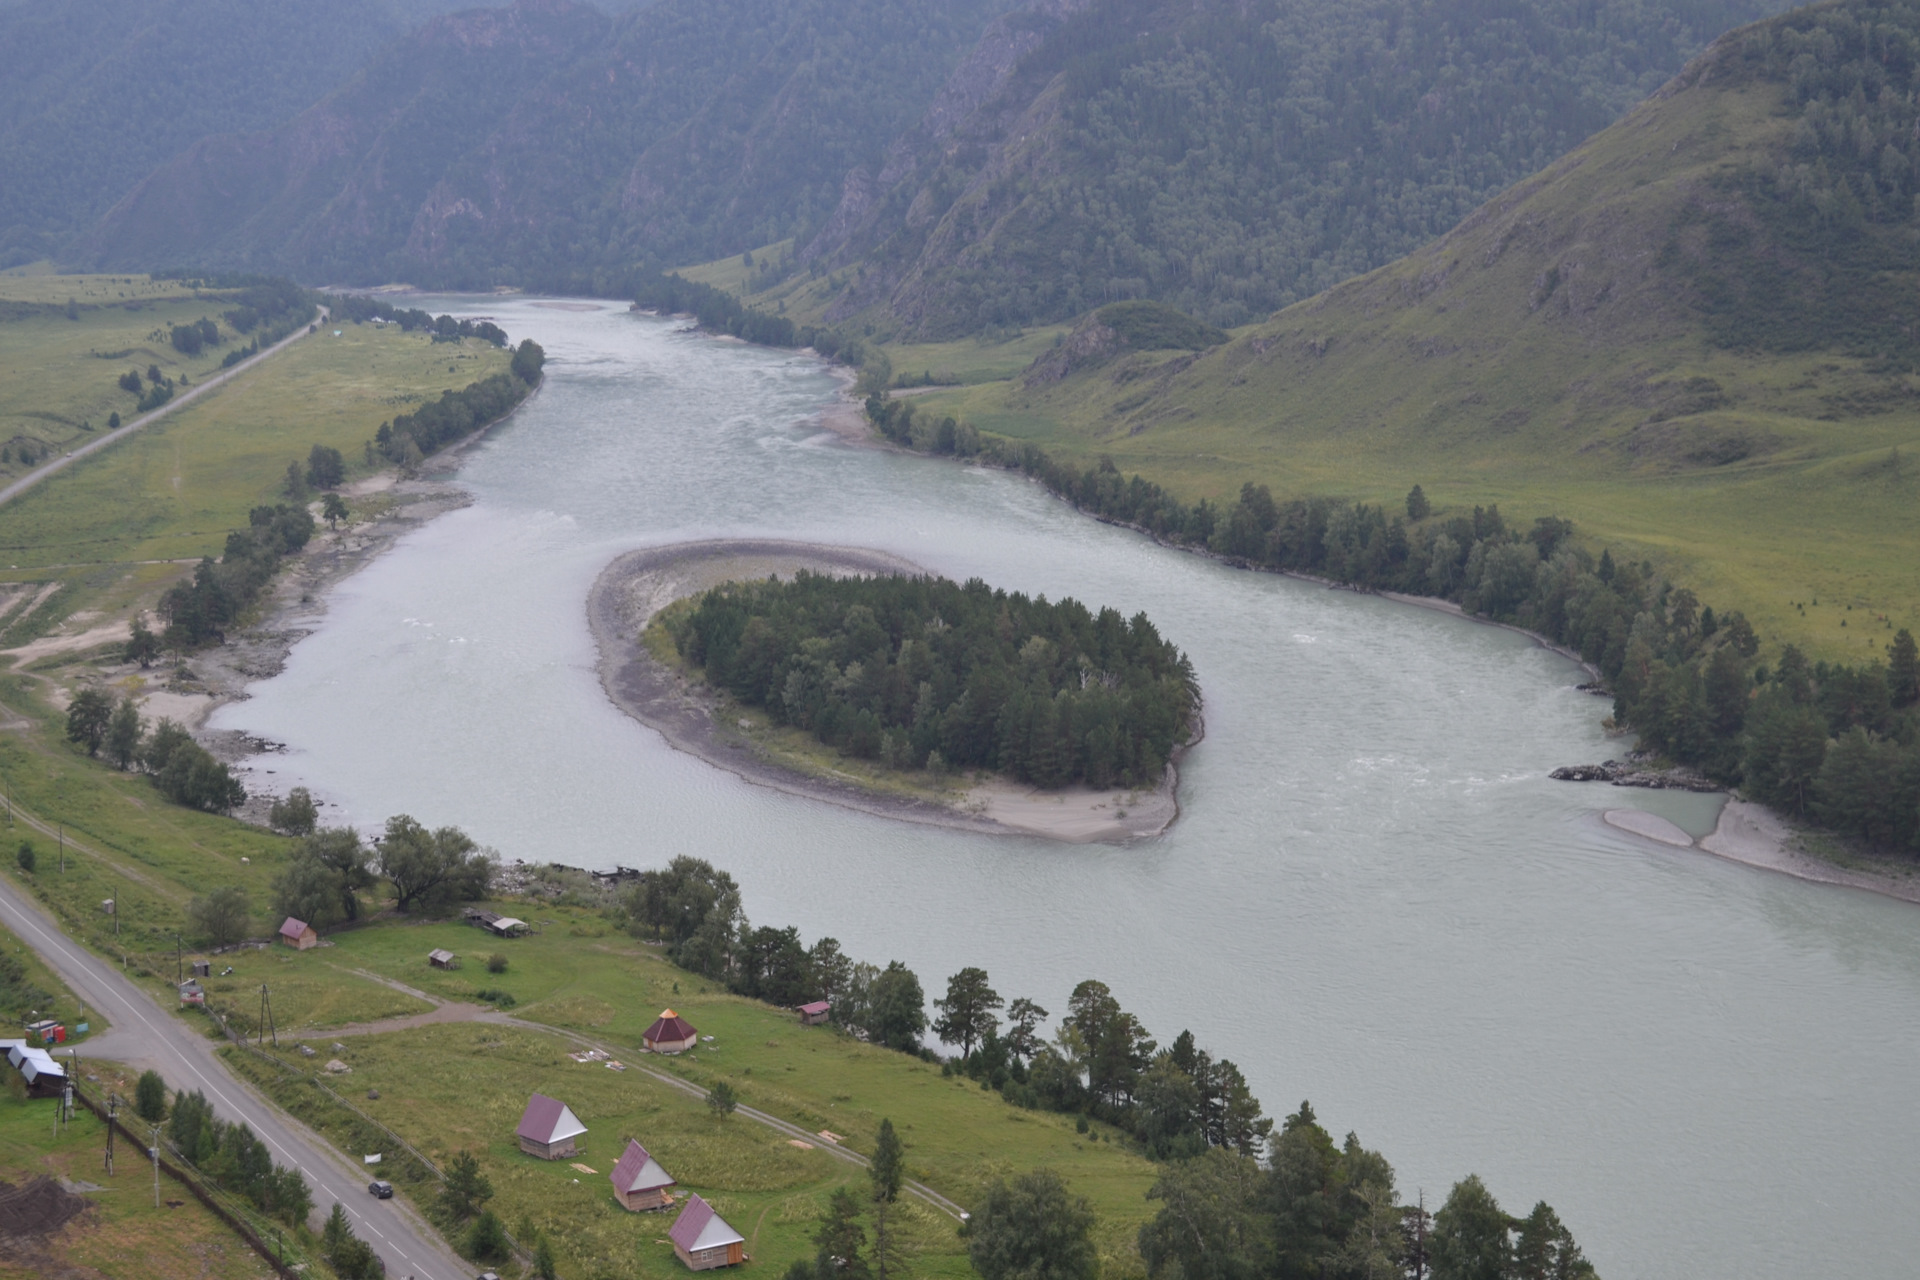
{"points": [[644, 681]]}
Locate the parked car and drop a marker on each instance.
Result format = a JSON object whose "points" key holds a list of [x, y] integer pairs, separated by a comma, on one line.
{"points": [[381, 1189]]}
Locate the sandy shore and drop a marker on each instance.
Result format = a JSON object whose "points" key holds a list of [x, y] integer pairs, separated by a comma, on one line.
{"points": [[1755, 836], [640, 583]]}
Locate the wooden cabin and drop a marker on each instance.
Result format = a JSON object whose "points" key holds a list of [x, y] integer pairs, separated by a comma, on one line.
{"points": [[298, 934], [549, 1129], [703, 1240], [670, 1033], [440, 958], [812, 1015], [639, 1183]]}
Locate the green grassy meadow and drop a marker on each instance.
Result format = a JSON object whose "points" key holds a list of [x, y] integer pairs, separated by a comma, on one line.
{"points": [[1539, 357], [57, 374], [580, 975], [177, 487]]}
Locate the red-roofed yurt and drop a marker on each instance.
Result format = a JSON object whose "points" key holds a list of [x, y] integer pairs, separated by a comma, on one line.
{"points": [[670, 1033]]}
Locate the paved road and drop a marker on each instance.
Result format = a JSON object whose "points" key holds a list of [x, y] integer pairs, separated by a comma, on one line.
{"points": [[186, 397], [147, 1036]]}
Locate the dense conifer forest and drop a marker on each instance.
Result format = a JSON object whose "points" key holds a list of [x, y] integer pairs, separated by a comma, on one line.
{"points": [[923, 672]]}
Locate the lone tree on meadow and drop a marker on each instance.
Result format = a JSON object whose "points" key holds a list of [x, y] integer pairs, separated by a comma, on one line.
{"points": [[124, 732], [142, 645], [887, 1172], [466, 1188], [221, 916], [150, 1097], [296, 815], [88, 716], [1033, 1229], [966, 1011], [432, 869]]}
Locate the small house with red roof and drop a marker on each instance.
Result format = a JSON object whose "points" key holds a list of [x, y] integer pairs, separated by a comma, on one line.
{"points": [[812, 1015], [549, 1129], [639, 1183], [703, 1240], [298, 934], [670, 1033]]}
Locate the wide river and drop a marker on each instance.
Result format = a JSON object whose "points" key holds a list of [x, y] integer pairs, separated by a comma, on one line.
{"points": [[1375, 898]]}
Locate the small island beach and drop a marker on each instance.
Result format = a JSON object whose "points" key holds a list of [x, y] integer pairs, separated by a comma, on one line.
{"points": [[637, 585]]}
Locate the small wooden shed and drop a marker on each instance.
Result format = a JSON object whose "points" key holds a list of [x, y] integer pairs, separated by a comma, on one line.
{"points": [[670, 1033], [298, 934], [200, 968], [703, 1240], [44, 1077], [549, 1129], [440, 958], [639, 1183], [812, 1015]]}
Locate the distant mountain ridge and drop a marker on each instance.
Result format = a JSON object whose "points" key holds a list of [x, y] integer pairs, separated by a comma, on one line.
{"points": [[946, 167], [99, 92], [1230, 156], [507, 145]]}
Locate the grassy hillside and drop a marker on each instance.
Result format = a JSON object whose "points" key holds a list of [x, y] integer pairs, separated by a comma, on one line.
{"points": [[58, 367], [1660, 337], [175, 488], [1223, 156]]}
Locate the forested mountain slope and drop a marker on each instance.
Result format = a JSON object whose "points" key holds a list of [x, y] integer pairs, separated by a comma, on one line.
{"points": [[1227, 156], [521, 143], [1698, 336], [99, 92]]}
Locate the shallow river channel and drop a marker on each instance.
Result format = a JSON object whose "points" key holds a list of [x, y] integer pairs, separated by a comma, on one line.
{"points": [[1375, 899]]}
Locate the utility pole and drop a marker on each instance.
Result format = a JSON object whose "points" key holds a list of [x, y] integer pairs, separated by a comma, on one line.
{"points": [[266, 1018], [178, 972], [113, 1110], [63, 871], [155, 1149]]}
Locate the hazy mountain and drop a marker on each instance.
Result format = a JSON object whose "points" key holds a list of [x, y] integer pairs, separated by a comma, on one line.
{"points": [[504, 144], [99, 92], [1726, 281], [1228, 156]]}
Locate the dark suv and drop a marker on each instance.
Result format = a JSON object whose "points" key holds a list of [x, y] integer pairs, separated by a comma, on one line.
{"points": [[380, 1189]]}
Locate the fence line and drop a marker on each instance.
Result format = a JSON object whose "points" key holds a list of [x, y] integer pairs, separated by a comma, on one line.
{"points": [[205, 1195]]}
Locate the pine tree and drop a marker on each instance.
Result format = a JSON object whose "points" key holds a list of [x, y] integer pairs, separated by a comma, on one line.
{"points": [[150, 1097], [1903, 669], [1418, 508]]}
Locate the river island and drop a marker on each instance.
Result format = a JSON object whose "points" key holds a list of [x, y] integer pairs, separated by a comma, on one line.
{"points": [[644, 680]]}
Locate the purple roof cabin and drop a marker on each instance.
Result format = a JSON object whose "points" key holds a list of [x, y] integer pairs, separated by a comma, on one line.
{"points": [[638, 1180], [548, 1128], [703, 1240], [298, 934], [814, 1014]]}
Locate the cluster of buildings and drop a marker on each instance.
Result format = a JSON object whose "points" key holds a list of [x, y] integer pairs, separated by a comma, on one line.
{"points": [[701, 1238]]}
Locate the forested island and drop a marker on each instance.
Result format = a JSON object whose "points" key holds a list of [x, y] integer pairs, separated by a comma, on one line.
{"points": [[922, 672]]}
